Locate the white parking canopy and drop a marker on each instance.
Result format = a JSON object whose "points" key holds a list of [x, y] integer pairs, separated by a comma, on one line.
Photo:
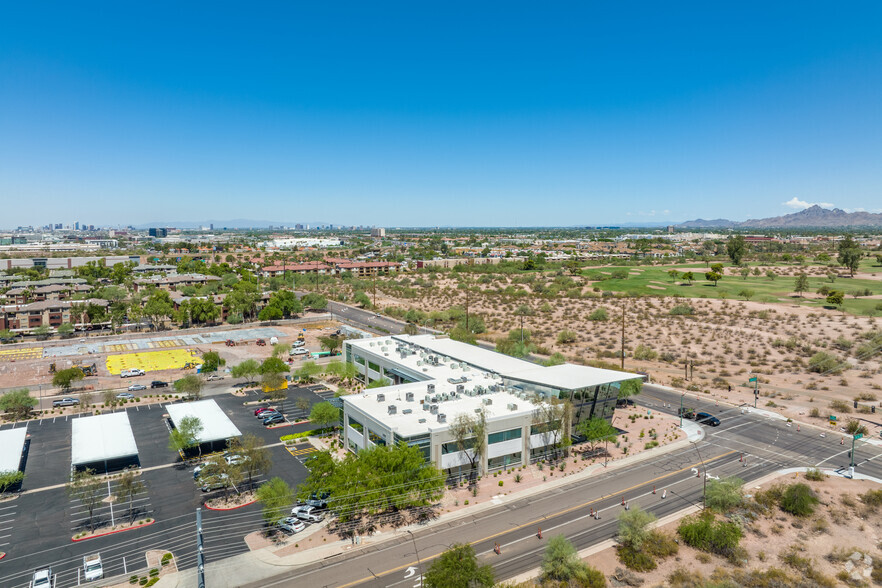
{"points": [[216, 426], [11, 446], [102, 438]]}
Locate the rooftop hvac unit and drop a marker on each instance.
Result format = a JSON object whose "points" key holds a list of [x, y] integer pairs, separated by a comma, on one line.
{"points": [[384, 348], [442, 418], [460, 388], [426, 406], [371, 343], [433, 408], [386, 354], [381, 397], [421, 421], [430, 388], [393, 409], [407, 411], [408, 396], [466, 368], [453, 366], [478, 411], [487, 401], [445, 396], [419, 362], [512, 406]]}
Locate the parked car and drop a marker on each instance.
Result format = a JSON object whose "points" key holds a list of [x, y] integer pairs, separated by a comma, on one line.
{"points": [[307, 513], [261, 343], [257, 411], [235, 459], [300, 351], [297, 344], [704, 418], [318, 500], [230, 343], [158, 384], [214, 377], [65, 402], [42, 579], [126, 395], [686, 413], [92, 568], [215, 483], [204, 469], [273, 419], [136, 387], [622, 402], [291, 525]]}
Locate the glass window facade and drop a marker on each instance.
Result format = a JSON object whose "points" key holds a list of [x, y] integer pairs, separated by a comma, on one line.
{"points": [[423, 442], [376, 439], [504, 436], [451, 447], [356, 425], [504, 461]]}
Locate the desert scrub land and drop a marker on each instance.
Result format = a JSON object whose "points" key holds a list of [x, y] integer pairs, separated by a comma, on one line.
{"points": [[799, 530], [811, 358]]}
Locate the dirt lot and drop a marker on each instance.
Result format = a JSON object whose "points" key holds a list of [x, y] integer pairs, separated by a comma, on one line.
{"points": [[34, 372]]}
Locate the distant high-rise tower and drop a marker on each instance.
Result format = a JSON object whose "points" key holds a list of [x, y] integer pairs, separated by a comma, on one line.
{"points": [[380, 233]]}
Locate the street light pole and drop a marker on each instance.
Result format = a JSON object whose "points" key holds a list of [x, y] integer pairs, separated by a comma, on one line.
{"points": [[419, 563], [681, 409]]}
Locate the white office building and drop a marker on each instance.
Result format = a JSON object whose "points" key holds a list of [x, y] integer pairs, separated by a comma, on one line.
{"points": [[435, 379]]}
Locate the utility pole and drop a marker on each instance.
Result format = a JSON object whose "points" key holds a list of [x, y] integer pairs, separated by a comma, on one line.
{"points": [[681, 409], [623, 334], [200, 555]]}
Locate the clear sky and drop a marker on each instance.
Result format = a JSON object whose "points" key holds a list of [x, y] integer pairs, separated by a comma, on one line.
{"points": [[437, 113]]}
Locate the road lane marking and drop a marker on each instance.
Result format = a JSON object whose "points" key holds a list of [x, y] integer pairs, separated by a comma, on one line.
{"points": [[531, 523]]}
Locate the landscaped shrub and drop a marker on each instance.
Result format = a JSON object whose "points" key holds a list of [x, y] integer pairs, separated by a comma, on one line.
{"points": [[799, 500], [682, 310], [644, 353], [815, 475], [706, 533]]}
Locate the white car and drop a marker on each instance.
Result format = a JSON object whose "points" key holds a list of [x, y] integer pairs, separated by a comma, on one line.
{"points": [[136, 387], [300, 351], [291, 525], [42, 579], [235, 459], [297, 344], [307, 513]]}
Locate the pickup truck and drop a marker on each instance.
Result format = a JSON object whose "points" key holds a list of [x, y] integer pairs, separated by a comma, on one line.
{"points": [[92, 567], [131, 373]]}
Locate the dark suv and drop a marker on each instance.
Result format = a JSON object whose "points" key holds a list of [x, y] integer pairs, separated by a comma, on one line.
{"points": [[158, 384], [704, 418]]}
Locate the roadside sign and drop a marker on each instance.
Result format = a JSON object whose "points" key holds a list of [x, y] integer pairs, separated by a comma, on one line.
{"points": [[832, 417], [753, 379], [858, 436]]}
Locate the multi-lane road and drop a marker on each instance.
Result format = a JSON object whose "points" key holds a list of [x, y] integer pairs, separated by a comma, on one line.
{"points": [[765, 444]]}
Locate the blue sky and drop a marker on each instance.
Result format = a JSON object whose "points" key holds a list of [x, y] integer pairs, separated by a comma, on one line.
{"points": [[445, 113]]}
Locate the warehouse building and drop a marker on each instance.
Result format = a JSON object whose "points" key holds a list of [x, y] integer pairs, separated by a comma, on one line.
{"points": [[436, 379]]}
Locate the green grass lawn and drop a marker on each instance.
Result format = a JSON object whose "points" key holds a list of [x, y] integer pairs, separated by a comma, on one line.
{"points": [[765, 289]]}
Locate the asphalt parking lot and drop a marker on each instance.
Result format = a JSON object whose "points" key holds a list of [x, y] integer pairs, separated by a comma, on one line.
{"points": [[42, 520]]}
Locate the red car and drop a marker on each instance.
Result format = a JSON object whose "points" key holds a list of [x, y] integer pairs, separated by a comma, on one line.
{"points": [[263, 409]]}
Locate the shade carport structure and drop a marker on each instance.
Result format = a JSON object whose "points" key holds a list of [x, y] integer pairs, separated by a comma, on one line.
{"points": [[217, 428], [103, 443], [12, 444]]}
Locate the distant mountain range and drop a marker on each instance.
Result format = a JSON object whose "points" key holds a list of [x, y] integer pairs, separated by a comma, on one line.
{"points": [[810, 218]]}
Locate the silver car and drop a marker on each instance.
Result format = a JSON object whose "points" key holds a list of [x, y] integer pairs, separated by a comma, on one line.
{"points": [[307, 513], [291, 525]]}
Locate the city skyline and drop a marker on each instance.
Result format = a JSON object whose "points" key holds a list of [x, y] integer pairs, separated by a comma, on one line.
{"points": [[395, 115]]}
